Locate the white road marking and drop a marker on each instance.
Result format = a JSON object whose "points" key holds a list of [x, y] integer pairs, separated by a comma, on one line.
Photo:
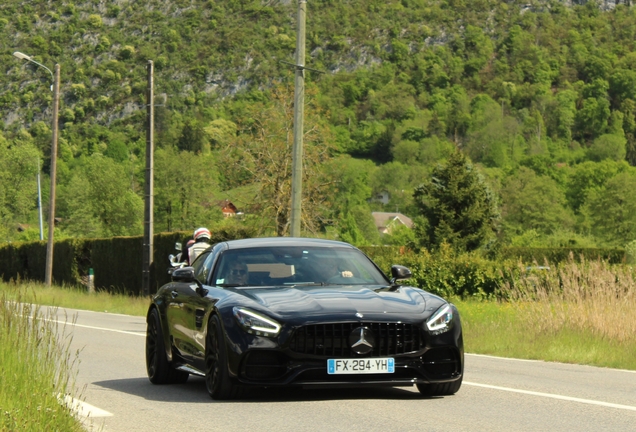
{"points": [[554, 396], [545, 361], [506, 358], [97, 328], [83, 409]]}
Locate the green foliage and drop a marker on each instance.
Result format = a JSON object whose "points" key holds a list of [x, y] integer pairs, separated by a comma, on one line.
{"points": [[608, 146], [349, 231], [37, 352], [613, 210], [193, 138], [400, 235], [588, 177], [186, 187], [98, 200], [458, 205], [554, 256], [534, 202], [549, 88], [444, 272]]}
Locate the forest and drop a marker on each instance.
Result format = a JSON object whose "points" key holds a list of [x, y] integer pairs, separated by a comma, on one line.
{"points": [[539, 97]]}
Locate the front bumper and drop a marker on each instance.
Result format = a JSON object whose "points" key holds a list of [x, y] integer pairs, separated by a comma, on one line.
{"points": [[278, 368]]}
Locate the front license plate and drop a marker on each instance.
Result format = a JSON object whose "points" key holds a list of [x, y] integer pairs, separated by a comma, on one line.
{"points": [[361, 366]]}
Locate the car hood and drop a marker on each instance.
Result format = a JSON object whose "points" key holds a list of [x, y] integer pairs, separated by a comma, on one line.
{"points": [[291, 302]]}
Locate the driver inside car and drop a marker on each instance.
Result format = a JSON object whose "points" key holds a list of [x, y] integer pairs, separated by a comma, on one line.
{"points": [[238, 274], [332, 270]]}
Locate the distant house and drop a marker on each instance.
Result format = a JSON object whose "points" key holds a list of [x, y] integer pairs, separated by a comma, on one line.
{"points": [[385, 221], [228, 209], [382, 197]]}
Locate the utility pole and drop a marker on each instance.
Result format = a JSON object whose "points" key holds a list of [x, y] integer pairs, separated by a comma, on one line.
{"points": [[149, 202], [40, 203], [299, 109], [48, 277]]}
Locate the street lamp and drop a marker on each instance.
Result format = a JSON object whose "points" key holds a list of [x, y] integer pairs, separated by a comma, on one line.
{"points": [[23, 56], [55, 88]]}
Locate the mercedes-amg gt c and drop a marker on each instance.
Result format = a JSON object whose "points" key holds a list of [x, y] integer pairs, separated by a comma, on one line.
{"points": [[300, 312]]}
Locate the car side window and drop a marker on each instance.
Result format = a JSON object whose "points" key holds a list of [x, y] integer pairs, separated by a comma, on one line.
{"points": [[200, 269]]}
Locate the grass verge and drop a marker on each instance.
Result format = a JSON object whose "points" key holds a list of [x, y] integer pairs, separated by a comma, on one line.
{"points": [[77, 298], [510, 330], [36, 369]]}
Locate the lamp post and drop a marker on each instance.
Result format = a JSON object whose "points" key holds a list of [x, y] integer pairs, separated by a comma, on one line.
{"points": [[299, 113], [55, 87]]}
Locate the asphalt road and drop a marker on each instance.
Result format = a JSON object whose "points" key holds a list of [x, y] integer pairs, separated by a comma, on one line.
{"points": [[497, 395]]}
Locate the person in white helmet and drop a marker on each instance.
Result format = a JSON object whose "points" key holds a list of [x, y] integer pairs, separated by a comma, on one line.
{"points": [[201, 237]]}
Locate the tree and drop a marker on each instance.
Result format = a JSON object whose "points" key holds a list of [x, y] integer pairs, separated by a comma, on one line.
{"points": [[588, 177], [193, 137], [185, 188], [18, 192], [261, 155], [349, 231], [459, 207], [612, 210], [99, 201], [493, 139], [532, 202], [608, 146]]}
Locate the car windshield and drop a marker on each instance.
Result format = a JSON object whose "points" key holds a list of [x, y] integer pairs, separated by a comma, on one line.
{"points": [[296, 265]]}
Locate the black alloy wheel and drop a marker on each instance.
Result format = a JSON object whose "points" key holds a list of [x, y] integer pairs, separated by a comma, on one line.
{"points": [[217, 375], [157, 365]]}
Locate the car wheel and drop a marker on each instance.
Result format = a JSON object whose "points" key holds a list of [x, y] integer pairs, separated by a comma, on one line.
{"points": [[440, 389], [157, 365], [217, 375]]}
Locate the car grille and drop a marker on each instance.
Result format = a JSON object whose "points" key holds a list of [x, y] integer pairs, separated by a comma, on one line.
{"points": [[333, 339]]}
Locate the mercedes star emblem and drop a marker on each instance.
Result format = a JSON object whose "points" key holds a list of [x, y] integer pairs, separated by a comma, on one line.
{"points": [[361, 340]]}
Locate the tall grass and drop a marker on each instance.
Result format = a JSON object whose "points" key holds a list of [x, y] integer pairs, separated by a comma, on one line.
{"points": [[578, 312], [76, 297], [589, 296], [36, 370]]}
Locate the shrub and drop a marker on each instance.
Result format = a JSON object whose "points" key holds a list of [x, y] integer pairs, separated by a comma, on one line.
{"points": [[126, 52], [444, 272], [95, 21]]}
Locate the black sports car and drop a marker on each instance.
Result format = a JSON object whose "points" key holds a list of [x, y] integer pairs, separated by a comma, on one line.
{"points": [[306, 312]]}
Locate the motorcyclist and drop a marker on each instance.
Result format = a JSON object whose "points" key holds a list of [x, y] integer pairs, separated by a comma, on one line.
{"points": [[201, 237]]}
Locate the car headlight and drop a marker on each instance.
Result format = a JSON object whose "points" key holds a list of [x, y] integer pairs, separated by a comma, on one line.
{"points": [[441, 321], [255, 323]]}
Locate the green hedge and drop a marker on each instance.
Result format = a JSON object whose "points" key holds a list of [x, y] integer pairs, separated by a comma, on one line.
{"points": [[445, 273], [116, 262]]}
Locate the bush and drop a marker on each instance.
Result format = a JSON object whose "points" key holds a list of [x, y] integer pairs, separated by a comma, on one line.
{"points": [[444, 272]]}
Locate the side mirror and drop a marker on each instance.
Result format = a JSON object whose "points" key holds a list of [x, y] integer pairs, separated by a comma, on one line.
{"points": [[399, 272], [177, 246], [185, 274]]}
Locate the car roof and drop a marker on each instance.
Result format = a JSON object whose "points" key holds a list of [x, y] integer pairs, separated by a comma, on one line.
{"points": [[284, 241]]}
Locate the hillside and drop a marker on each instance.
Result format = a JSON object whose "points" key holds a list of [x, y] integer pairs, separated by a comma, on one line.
{"points": [[541, 95]]}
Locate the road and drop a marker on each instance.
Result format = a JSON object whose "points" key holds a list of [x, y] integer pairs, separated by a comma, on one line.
{"points": [[497, 395]]}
